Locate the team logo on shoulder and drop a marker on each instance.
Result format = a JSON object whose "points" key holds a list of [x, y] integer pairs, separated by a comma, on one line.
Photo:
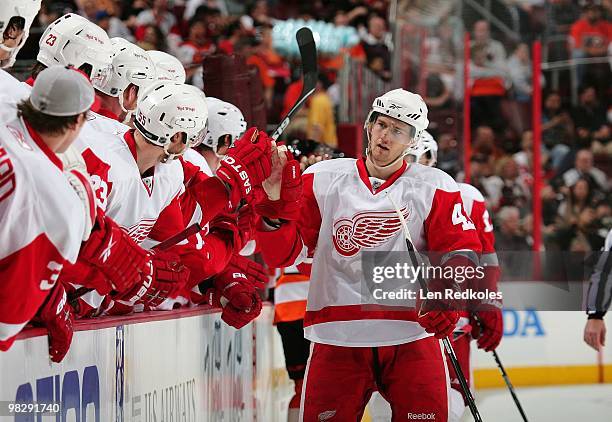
{"points": [[368, 229], [19, 137]]}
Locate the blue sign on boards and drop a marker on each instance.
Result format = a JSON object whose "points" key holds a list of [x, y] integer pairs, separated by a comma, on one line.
{"points": [[522, 323], [73, 393]]}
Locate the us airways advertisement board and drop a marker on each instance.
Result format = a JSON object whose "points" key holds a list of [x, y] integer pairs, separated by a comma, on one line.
{"points": [[194, 368]]}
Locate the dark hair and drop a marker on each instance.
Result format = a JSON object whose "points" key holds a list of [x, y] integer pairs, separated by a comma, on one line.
{"points": [[44, 123], [38, 67]]}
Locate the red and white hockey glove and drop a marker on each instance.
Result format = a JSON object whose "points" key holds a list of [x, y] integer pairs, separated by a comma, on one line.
{"points": [[57, 316], [238, 298], [165, 279], [288, 206], [115, 254], [256, 274], [247, 164]]}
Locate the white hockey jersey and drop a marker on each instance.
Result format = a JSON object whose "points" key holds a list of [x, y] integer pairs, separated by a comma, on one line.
{"points": [[135, 202], [42, 221], [343, 215]]}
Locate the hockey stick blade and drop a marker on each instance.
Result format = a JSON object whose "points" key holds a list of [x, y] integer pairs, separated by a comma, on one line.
{"points": [[308, 54]]}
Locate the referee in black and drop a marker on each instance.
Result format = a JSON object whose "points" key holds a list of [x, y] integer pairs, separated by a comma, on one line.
{"points": [[599, 297]]}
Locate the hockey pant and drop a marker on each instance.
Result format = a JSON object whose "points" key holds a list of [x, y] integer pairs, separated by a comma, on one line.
{"points": [[412, 377]]}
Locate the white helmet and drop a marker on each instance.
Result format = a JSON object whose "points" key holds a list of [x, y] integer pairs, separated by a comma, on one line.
{"points": [[404, 106], [74, 41], [427, 148], [223, 119], [168, 67], [131, 65], [167, 108], [18, 16]]}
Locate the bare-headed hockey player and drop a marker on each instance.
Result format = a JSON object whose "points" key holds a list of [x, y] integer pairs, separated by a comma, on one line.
{"points": [[347, 209]]}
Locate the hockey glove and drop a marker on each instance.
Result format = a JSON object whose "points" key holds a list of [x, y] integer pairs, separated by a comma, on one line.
{"points": [[438, 315], [115, 254], [246, 165], [288, 206], [166, 277], [489, 329], [236, 295], [57, 316], [255, 273]]}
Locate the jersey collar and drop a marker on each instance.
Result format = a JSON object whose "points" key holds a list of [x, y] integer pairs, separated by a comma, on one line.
{"points": [[43, 146], [107, 113], [365, 178], [131, 143]]}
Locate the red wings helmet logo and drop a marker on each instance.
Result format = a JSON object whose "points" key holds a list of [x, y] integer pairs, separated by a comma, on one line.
{"points": [[368, 229]]}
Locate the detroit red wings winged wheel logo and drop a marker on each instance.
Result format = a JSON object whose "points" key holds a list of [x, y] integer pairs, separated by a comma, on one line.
{"points": [[366, 230]]}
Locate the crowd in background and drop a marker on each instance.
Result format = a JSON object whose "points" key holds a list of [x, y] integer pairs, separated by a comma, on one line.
{"points": [[576, 146]]}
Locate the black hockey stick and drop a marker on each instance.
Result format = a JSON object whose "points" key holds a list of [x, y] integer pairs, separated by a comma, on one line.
{"points": [[308, 53], [447, 344], [509, 384], [504, 375]]}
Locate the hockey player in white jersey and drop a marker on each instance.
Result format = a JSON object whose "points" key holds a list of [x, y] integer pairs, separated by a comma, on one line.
{"points": [[347, 209], [132, 71], [16, 17], [48, 238], [489, 328]]}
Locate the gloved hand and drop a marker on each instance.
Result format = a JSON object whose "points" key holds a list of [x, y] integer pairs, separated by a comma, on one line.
{"points": [[438, 316], [57, 316], [165, 278], [256, 274], [247, 164], [236, 296], [115, 254], [287, 207], [488, 328]]}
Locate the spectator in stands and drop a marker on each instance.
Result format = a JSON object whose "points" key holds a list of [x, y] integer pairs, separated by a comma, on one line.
{"points": [[377, 46], [511, 238], [321, 119], [578, 198], [557, 128], [256, 15], [495, 53], [562, 14], [158, 15], [152, 39], [232, 33], [524, 157], [508, 187], [519, 66], [249, 47], [489, 86], [113, 26], [590, 118], [193, 50], [583, 168], [590, 36]]}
